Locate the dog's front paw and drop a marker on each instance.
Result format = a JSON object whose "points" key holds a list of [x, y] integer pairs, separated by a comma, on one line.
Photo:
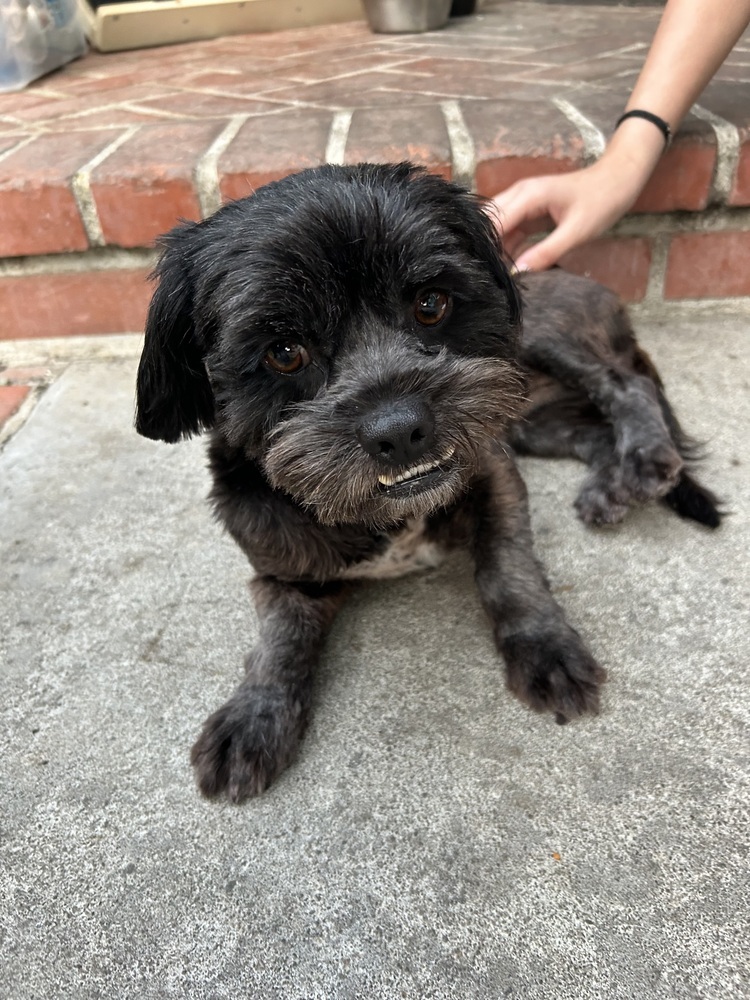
{"points": [[248, 742], [553, 672]]}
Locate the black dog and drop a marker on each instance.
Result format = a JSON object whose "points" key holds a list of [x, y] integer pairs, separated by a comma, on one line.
{"points": [[353, 338]]}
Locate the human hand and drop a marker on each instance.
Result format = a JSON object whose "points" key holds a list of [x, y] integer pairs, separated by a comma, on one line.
{"points": [[583, 203]]}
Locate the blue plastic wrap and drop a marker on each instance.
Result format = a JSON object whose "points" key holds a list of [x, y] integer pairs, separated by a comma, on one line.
{"points": [[37, 36]]}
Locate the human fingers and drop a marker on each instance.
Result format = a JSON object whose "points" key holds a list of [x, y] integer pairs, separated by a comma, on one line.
{"points": [[513, 241], [580, 217], [521, 202], [548, 251]]}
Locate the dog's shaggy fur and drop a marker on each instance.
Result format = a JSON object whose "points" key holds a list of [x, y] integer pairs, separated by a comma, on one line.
{"points": [[352, 337]]}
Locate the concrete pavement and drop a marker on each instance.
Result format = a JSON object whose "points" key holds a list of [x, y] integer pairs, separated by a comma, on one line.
{"points": [[434, 839]]}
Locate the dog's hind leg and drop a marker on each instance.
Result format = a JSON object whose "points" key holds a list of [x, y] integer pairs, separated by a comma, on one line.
{"points": [[578, 334], [571, 427], [255, 735], [548, 666], [688, 497], [648, 459]]}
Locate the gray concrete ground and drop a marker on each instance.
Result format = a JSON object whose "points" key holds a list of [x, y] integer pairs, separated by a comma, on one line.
{"points": [[434, 839]]}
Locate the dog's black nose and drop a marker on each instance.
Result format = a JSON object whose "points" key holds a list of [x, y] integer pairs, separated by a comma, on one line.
{"points": [[398, 432]]}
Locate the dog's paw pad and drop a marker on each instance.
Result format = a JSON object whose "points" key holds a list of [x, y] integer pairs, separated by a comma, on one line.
{"points": [[650, 470], [553, 672], [597, 505], [247, 743]]}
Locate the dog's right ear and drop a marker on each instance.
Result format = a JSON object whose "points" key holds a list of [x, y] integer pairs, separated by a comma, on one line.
{"points": [[174, 397]]}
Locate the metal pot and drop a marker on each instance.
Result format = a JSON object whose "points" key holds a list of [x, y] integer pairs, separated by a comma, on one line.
{"points": [[393, 16]]}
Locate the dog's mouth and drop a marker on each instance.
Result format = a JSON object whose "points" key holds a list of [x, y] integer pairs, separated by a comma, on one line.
{"points": [[417, 479]]}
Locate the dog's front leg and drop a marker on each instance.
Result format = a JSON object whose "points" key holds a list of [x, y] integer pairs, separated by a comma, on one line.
{"points": [[548, 666], [255, 735]]}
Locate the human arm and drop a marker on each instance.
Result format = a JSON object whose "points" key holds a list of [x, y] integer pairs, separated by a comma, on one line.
{"points": [[692, 41]]}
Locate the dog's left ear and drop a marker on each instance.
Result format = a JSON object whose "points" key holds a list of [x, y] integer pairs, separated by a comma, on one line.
{"points": [[174, 397]]}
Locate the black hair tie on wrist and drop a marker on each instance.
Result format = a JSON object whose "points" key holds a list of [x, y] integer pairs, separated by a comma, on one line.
{"points": [[663, 126]]}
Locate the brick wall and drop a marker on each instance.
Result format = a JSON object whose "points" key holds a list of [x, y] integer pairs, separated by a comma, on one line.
{"points": [[100, 159]]}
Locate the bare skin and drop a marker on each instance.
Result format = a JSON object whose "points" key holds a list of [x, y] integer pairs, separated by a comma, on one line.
{"points": [[693, 39]]}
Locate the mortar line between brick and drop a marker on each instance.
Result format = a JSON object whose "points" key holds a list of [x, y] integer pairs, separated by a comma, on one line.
{"points": [[18, 145], [80, 184], [64, 350], [51, 92], [389, 67], [727, 154], [143, 109], [75, 116], [58, 351], [463, 153], [658, 270], [715, 219], [593, 138], [97, 259], [207, 181], [337, 137], [216, 92]]}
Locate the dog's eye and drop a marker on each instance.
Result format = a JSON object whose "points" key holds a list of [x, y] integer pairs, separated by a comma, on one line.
{"points": [[287, 357], [431, 307]]}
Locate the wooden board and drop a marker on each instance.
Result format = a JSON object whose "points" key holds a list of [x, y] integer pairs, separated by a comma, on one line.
{"points": [[144, 23]]}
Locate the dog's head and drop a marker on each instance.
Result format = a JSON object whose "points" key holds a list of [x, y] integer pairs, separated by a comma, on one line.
{"points": [[352, 329]]}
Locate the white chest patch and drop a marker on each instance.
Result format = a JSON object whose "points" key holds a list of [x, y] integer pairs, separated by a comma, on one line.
{"points": [[407, 552]]}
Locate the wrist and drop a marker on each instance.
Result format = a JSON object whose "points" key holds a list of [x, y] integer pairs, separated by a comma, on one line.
{"points": [[656, 120], [633, 152]]}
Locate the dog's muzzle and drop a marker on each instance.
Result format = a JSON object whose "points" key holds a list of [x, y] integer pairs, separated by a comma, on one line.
{"points": [[416, 479], [398, 434]]}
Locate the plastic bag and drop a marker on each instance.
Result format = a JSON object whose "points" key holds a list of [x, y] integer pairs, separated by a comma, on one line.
{"points": [[37, 36]]}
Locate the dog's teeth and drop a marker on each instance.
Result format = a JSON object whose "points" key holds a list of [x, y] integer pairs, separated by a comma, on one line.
{"points": [[416, 470]]}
